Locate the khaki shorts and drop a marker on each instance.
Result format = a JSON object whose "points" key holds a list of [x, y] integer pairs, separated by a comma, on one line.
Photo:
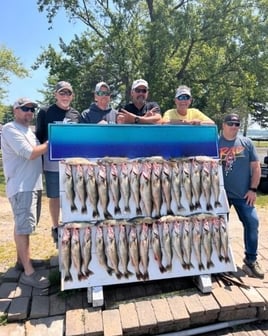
{"points": [[26, 207]]}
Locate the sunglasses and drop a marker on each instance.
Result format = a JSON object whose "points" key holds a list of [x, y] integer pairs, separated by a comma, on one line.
{"points": [[65, 93], [140, 90], [183, 97], [231, 123], [27, 109], [103, 93]]}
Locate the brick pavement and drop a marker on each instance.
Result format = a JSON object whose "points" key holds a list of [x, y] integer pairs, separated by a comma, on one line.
{"points": [[156, 310]]}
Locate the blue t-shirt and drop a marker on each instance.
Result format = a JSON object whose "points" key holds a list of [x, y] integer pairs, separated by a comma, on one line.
{"points": [[236, 156]]}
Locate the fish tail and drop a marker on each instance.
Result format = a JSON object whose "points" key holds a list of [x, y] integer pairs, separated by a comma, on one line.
{"points": [[197, 205], [138, 211], [192, 207], [227, 259], [95, 213], [109, 270], [168, 267], [117, 210], [145, 276], [139, 275], [84, 208], [201, 266], [170, 212], [68, 277], [107, 215], [209, 207], [210, 264], [73, 208], [217, 204], [118, 274], [127, 209], [162, 268], [80, 276]]}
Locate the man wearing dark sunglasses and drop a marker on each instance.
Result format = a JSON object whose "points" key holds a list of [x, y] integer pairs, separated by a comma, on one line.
{"points": [[100, 112], [183, 114], [22, 164], [241, 173], [59, 112], [140, 111]]}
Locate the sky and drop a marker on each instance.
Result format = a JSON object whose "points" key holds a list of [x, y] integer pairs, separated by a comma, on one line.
{"points": [[24, 30]]}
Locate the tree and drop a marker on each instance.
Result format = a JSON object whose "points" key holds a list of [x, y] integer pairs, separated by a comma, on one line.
{"points": [[9, 64], [218, 48]]}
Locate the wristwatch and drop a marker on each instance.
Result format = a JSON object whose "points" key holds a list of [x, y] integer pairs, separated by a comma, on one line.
{"points": [[137, 120], [253, 189]]}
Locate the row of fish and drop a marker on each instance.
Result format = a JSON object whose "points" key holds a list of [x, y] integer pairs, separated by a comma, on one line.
{"points": [[149, 183], [117, 244]]}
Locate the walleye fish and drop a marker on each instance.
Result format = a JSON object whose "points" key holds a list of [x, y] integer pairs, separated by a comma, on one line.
{"points": [[197, 241], [103, 190], [216, 237], [66, 254], [224, 239], [156, 188], [135, 185], [134, 251], [92, 190], [69, 187], [187, 183], [166, 186], [100, 250], [123, 250], [111, 251], [207, 241], [176, 183], [145, 188], [125, 186], [196, 182], [187, 243], [206, 183], [86, 252], [144, 250], [176, 238], [215, 182], [156, 246], [115, 188], [76, 253], [81, 187], [166, 242]]}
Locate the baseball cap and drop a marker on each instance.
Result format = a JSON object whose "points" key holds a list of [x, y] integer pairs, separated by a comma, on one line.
{"points": [[63, 85], [139, 82], [232, 117], [183, 89], [100, 84], [24, 101]]}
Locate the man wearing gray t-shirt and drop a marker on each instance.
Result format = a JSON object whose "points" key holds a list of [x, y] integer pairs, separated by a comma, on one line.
{"points": [[241, 174]]}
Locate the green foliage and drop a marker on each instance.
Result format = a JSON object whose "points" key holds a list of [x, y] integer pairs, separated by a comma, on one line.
{"points": [[218, 48], [9, 64]]}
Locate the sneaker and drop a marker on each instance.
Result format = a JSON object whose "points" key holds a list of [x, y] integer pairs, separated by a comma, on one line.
{"points": [[36, 264], [35, 280], [54, 233], [255, 269]]}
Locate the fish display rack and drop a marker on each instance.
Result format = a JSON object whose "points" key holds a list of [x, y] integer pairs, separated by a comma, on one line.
{"points": [[127, 220], [140, 249]]}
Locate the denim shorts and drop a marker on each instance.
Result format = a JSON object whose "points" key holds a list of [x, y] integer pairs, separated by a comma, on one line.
{"points": [[52, 184], [26, 207]]}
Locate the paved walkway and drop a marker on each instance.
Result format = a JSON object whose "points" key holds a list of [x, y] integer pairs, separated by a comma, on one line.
{"points": [[151, 308]]}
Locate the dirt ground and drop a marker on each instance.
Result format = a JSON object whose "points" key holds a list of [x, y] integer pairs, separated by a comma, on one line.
{"points": [[42, 246]]}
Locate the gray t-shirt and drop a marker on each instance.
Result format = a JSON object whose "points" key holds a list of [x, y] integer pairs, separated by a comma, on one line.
{"points": [[236, 156], [21, 173]]}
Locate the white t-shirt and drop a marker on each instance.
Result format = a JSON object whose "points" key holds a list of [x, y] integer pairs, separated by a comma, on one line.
{"points": [[21, 173]]}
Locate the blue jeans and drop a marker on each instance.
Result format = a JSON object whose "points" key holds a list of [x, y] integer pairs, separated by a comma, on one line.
{"points": [[249, 218]]}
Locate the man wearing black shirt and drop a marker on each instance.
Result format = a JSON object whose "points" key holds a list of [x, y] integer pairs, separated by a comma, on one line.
{"points": [[140, 111], [61, 112]]}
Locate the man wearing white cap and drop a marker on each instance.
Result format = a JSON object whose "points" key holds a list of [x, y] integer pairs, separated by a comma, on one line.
{"points": [[140, 111], [100, 112], [183, 114], [22, 164]]}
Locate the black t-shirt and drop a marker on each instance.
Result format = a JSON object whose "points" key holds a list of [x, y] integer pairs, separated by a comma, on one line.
{"points": [[141, 112], [50, 115]]}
